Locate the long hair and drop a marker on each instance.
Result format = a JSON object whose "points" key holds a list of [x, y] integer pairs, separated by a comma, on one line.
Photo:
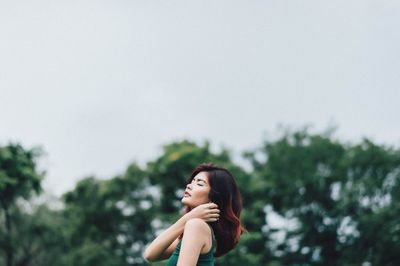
{"points": [[225, 193]]}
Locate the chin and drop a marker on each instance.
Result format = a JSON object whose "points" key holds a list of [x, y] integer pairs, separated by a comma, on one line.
{"points": [[183, 200], [186, 202]]}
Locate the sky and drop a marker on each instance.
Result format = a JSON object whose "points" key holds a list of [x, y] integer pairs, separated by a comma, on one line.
{"points": [[100, 84]]}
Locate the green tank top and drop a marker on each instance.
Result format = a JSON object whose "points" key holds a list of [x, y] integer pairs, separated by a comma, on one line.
{"points": [[206, 259]]}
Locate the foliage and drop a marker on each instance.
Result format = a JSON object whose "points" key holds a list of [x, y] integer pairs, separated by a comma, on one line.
{"points": [[308, 199], [340, 199], [109, 219], [19, 178]]}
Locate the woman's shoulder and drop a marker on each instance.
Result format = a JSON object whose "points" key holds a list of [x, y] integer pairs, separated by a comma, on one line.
{"points": [[197, 225], [199, 231]]}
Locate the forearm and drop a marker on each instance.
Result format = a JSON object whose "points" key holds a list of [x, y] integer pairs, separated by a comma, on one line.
{"points": [[156, 249]]}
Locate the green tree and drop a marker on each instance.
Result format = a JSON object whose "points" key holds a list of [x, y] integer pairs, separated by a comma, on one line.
{"points": [[336, 204], [338, 201], [108, 219], [116, 218], [369, 198], [36, 235], [19, 178]]}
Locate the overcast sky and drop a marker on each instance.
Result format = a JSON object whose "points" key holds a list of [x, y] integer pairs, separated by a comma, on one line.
{"points": [[99, 84]]}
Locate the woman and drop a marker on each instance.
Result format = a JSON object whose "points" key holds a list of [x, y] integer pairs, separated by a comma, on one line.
{"points": [[211, 225]]}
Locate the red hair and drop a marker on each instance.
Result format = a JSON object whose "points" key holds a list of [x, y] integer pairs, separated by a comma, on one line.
{"points": [[225, 193]]}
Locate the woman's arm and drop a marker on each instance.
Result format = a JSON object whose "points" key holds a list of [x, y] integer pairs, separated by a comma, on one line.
{"points": [[194, 238], [162, 245]]}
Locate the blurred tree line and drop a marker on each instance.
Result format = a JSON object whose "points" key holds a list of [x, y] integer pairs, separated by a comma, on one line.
{"points": [[309, 199]]}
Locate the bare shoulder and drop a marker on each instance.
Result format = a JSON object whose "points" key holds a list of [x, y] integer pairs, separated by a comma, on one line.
{"points": [[196, 226]]}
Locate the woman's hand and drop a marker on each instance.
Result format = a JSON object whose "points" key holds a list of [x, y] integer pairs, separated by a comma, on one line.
{"points": [[209, 212]]}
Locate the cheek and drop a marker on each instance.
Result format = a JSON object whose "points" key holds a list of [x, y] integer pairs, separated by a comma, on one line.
{"points": [[203, 194]]}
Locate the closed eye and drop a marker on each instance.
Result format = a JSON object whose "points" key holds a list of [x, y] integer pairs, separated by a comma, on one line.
{"points": [[198, 182]]}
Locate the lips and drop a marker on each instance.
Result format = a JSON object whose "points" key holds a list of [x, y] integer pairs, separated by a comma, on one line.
{"points": [[187, 194]]}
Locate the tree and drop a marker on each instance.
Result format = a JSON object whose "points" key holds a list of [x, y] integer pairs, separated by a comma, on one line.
{"points": [[36, 234], [108, 220], [116, 218], [19, 178], [338, 201], [308, 200]]}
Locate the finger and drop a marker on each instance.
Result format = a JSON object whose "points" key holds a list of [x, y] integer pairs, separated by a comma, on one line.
{"points": [[212, 205], [213, 211], [214, 216]]}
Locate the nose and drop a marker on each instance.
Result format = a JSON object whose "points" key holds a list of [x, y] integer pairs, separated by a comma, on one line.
{"points": [[189, 186]]}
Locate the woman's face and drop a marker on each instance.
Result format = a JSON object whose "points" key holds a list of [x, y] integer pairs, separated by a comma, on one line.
{"points": [[197, 191]]}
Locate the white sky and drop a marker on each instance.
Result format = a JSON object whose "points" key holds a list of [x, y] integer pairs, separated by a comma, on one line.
{"points": [[99, 84]]}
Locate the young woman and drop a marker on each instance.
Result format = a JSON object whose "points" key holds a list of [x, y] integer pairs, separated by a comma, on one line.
{"points": [[211, 225]]}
